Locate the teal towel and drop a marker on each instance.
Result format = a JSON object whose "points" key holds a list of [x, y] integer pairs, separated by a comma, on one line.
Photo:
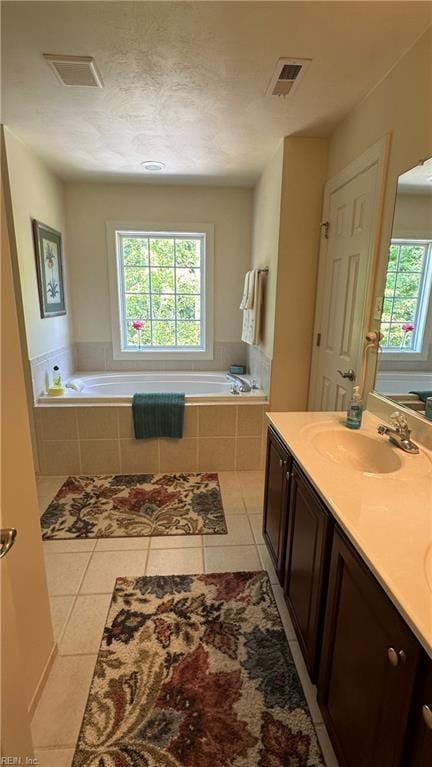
{"points": [[158, 415], [423, 395]]}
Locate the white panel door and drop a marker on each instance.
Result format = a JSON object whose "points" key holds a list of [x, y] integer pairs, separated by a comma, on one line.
{"points": [[343, 288]]}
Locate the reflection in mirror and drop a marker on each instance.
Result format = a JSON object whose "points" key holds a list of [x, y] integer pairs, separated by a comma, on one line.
{"points": [[404, 372]]}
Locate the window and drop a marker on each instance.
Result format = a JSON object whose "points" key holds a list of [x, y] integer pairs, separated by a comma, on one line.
{"points": [[406, 298], [162, 292]]}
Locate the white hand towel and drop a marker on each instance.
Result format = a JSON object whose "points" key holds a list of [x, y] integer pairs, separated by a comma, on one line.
{"points": [[244, 300], [251, 330]]}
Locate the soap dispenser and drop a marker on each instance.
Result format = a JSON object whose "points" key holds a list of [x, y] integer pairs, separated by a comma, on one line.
{"points": [[355, 410]]}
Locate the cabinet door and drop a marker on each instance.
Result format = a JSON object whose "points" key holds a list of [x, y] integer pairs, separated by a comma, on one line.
{"points": [[306, 566], [419, 751], [368, 666], [278, 466]]}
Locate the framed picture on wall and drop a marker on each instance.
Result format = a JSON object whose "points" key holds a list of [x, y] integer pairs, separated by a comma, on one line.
{"points": [[49, 268]]}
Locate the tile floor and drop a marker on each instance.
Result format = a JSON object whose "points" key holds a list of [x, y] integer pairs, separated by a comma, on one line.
{"points": [[81, 577]]}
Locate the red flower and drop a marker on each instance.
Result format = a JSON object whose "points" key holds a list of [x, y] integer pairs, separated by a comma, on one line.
{"points": [[281, 745], [211, 734], [137, 324], [408, 327]]}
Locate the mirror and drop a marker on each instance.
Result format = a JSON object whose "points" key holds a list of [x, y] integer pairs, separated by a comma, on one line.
{"points": [[404, 370]]}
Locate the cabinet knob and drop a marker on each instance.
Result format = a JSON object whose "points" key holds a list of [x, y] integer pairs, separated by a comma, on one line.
{"points": [[427, 716], [281, 463], [396, 656]]}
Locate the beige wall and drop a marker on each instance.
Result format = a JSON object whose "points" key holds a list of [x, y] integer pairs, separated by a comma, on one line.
{"points": [[265, 238], [304, 172], [19, 505], [89, 206], [413, 216], [36, 193]]}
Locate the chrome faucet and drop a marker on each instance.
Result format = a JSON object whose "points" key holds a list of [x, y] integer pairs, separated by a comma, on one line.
{"points": [[399, 433], [241, 384]]}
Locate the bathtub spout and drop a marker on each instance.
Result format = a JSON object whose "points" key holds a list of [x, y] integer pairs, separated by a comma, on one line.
{"points": [[243, 385]]}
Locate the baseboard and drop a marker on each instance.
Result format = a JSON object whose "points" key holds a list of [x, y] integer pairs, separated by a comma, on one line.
{"points": [[39, 688]]}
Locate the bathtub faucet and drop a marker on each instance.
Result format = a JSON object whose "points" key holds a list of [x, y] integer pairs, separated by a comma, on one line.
{"points": [[242, 384]]}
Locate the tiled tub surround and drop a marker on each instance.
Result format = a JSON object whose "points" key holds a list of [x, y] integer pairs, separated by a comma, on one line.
{"points": [[99, 439], [41, 368], [98, 355]]}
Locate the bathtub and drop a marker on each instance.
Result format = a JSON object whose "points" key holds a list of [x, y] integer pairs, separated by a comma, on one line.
{"points": [[116, 387]]}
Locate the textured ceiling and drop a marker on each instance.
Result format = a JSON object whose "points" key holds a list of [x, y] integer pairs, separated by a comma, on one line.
{"points": [[185, 83]]}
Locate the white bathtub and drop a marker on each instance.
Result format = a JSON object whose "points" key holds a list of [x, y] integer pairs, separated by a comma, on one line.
{"points": [[120, 387]]}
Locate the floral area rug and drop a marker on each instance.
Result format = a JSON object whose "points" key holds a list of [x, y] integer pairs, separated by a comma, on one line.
{"points": [[121, 505], [195, 671]]}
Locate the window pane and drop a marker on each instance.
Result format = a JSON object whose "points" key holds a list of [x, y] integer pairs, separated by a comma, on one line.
{"points": [[390, 284], [163, 334], [163, 307], [134, 336], [161, 252], [137, 307], [393, 258], [136, 280], [396, 336], [188, 252], [411, 258], [404, 309], [188, 280], [385, 327], [188, 307], [188, 333], [408, 285], [162, 280], [387, 308], [135, 251]]}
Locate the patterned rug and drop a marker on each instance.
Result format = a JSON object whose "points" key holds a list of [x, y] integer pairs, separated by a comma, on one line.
{"points": [[121, 505], [195, 671]]}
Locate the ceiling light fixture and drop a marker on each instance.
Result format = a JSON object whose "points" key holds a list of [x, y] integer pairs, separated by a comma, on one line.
{"points": [[153, 166]]}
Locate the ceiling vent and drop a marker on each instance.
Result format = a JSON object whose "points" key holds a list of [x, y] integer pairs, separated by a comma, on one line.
{"points": [[75, 71], [286, 76]]}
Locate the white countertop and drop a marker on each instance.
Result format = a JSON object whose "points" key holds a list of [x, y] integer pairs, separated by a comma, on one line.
{"points": [[388, 517]]}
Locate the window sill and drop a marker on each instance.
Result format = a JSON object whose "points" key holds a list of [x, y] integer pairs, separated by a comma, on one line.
{"points": [[164, 354]]}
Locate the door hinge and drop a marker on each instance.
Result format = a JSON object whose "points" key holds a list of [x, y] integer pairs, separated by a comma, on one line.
{"points": [[325, 225], [318, 339]]}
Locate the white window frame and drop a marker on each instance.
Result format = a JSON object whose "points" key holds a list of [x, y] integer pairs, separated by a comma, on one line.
{"points": [[425, 317], [113, 229]]}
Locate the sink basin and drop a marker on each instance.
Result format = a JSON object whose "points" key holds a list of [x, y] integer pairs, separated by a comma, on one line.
{"points": [[428, 566], [360, 452]]}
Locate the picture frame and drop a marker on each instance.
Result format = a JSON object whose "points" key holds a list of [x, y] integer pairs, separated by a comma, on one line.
{"points": [[49, 269]]}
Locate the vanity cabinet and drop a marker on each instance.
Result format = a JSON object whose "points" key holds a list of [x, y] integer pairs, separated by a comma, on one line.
{"points": [[276, 493], [306, 565], [419, 748], [368, 666]]}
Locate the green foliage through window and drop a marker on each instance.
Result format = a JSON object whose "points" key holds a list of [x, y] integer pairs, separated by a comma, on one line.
{"points": [[162, 287], [404, 294]]}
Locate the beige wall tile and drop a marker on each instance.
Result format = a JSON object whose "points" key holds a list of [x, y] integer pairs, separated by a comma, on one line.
{"points": [[250, 420], [217, 420], [58, 422], [139, 456], [97, 423], [216, 453], [100, 456], [59, 457], [190, 427], [125, 422], [248, 453], [178, 455]]}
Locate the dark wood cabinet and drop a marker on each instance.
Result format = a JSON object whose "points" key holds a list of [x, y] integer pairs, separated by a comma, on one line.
{"points": [[368, 666], [306, 565], [278, 467], [419, 743]]}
